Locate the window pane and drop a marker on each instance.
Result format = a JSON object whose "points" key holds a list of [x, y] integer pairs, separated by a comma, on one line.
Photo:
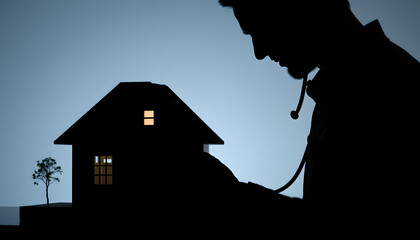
{"points": [[102, 179], [96, 170], [149, 114], [103, 160], [102, 170], [109, 170], [96, 160], [109, 160], [96, 180], [109, 180], [149, 121]]}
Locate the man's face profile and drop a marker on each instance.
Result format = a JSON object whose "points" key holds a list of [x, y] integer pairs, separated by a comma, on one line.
{"points": [[279, 40]]}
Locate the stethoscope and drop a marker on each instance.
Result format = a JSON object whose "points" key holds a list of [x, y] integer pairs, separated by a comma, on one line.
{"points": [[295, 115]]}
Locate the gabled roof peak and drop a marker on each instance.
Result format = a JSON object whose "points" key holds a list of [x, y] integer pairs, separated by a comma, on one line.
{"points": [[120, 113]]}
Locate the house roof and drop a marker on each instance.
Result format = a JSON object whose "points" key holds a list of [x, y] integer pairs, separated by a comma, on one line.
{"points": [[119, 116]]}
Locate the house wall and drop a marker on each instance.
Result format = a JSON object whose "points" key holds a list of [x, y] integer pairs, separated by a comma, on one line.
{"points": [[142, 172]]}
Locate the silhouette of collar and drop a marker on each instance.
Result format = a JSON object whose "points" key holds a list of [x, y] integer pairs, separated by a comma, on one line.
{"points": [[374, 29]]}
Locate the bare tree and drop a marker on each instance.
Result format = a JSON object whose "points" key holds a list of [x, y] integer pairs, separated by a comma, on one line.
{"points": [[46, 168]]}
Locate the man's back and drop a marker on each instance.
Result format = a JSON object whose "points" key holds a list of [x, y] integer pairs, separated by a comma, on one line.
{"points": [[360, 148]]}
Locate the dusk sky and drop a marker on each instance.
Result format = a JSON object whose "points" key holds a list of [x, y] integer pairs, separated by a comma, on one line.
{"points": [[58, 58]]}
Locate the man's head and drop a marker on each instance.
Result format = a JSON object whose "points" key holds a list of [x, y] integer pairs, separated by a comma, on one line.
{"points": [[291, 32]]}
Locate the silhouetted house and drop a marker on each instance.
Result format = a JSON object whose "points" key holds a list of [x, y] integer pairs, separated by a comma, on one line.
{"points": [[133, 143]]}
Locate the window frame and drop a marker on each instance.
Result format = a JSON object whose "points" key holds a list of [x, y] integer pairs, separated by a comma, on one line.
{"points": [[148, 117], [103, 171]]}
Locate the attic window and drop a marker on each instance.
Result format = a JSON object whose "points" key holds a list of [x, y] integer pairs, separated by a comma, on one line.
{"points": [[102, 170], [149, 117]]}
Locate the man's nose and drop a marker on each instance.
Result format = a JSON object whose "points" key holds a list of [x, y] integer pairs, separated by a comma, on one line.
{"points": [[259, 49]]}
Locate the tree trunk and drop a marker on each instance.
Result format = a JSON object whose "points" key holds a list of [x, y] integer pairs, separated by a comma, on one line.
{"points": [[48, 199]]}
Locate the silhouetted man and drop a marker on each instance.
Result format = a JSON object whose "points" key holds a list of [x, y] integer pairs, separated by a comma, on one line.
{"points": [[360, 154]]}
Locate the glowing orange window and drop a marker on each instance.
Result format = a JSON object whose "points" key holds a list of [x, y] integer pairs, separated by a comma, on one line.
{"points": [[149, 117]]}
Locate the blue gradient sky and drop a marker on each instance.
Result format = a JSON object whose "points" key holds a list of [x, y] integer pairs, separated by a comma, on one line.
{"points": [[59, 58]]}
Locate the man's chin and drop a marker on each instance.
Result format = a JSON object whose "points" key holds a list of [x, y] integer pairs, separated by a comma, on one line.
{"points": [[299, 72]]}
